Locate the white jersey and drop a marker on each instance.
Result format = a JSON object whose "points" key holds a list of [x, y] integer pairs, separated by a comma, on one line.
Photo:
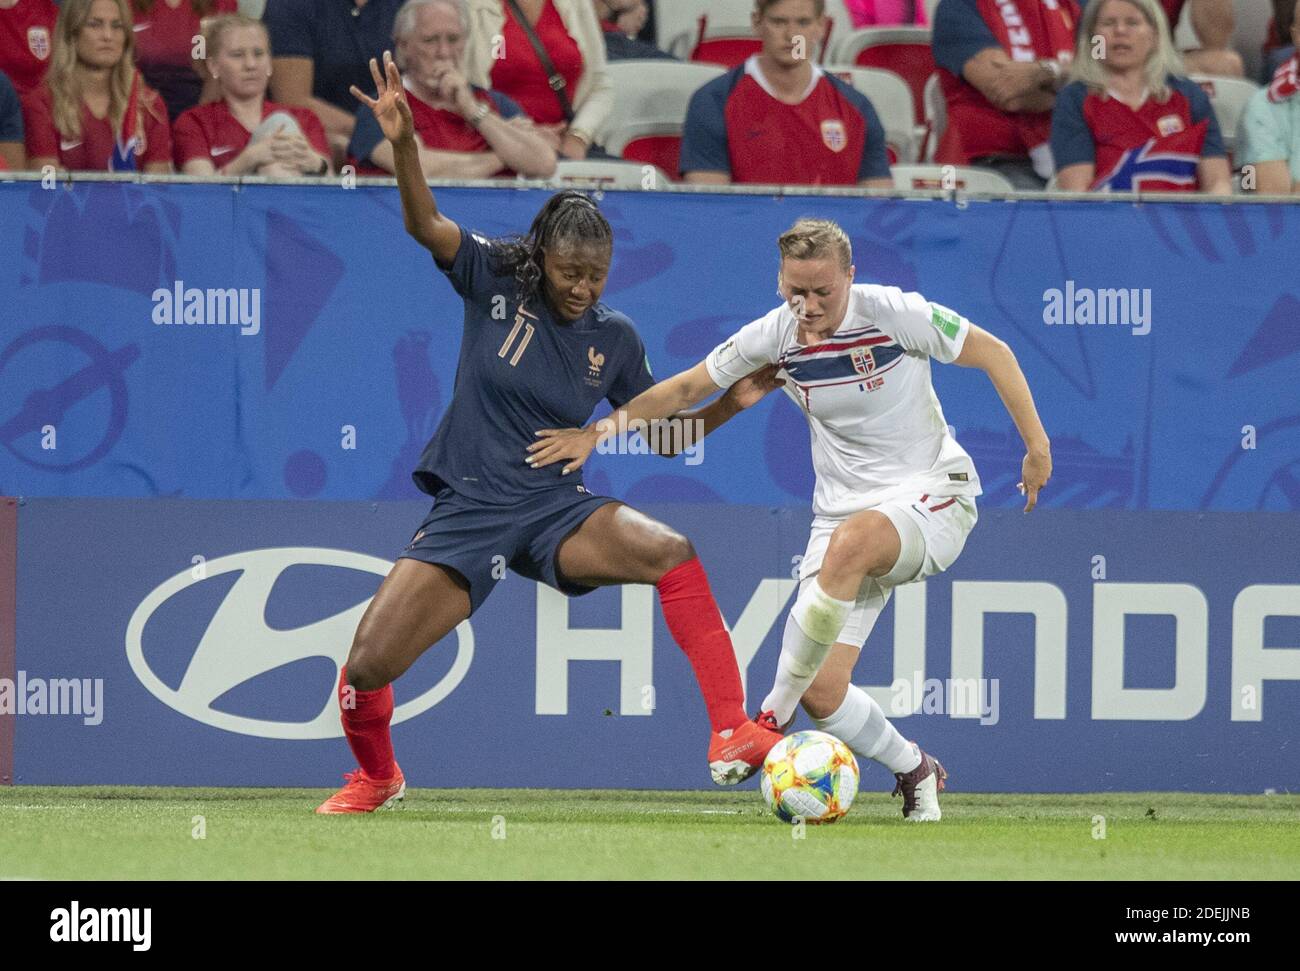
{"points": [[878, 432]]}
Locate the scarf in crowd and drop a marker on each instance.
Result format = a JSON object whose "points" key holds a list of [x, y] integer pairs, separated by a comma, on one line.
{"points": [[1286, 81]]}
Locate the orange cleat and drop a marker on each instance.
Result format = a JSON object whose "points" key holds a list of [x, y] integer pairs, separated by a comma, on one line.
{"points": [[736, 756], [363, 794]]}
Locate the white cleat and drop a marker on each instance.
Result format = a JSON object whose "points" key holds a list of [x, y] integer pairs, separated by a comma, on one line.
{"points": [[920, 790]]}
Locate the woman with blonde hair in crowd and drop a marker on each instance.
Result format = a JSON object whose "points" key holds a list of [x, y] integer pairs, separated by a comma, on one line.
{"points": [[94, 111], [243, 132], [1128, 120]]}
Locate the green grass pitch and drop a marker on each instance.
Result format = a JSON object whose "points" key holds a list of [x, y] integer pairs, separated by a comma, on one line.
{"points": [[150, 833]]}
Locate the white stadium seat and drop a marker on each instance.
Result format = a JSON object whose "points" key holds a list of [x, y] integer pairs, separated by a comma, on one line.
{"points": [[892, 99], [650, 101], [965, 178], [1229, 97], [936, 115], [609, 173]]}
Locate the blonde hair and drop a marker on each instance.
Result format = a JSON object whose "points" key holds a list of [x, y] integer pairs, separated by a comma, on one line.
{"points": [[1162, 61], [815, 239], [65, 83], [216, 29]]}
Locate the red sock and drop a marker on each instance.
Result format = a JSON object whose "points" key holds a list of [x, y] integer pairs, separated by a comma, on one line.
{"points": [[697, 627], [365, 722]]}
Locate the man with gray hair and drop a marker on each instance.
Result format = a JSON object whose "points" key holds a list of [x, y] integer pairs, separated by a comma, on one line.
{"points": [[463, 131]]}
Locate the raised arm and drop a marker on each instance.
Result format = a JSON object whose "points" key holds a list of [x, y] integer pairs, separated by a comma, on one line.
{"points": [[430, 228], [992, 356]]}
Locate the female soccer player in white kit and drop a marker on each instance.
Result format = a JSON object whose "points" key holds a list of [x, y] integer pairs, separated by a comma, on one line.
{"points": [[895, 494]]}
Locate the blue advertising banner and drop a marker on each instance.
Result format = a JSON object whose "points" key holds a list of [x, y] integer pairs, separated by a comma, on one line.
{"points": [[185, 642], [262, 342]]}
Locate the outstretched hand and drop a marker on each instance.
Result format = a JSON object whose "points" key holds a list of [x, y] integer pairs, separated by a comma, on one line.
{"points": [[570, 445], [389, 105]]}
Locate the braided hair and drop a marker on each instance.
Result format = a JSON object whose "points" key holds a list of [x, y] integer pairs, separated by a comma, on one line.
{"points": [[568, 218]]}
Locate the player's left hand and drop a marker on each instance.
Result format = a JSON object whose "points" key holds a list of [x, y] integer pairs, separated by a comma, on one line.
{"points": [[753, 388], [1034, 473], [570, 445]]}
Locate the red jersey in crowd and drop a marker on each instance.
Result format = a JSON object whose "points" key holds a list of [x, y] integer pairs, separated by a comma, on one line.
{"points": [[27, 41], [520, 75], [97, 148], [211, 131]]}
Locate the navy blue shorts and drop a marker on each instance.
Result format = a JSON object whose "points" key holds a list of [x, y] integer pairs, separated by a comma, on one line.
{"points": [[480, 540]]}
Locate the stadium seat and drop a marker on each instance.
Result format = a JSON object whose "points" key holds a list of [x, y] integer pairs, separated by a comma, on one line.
{"points": [[967, 178], [936, 115], [1229, 97], [903, 50], [610, 173], [892, 99], [650, 102]]}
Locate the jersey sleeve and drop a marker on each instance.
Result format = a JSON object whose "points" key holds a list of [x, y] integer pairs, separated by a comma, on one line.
{"points": [[634, 376], [38, 124], [366, 136], [750, 348], [959, 34], [506, 107], [314, 131], [1201, 109], [471, 273], [188, 139], [1265, 130], [704, 136], [1072, 141], [919, 325]]}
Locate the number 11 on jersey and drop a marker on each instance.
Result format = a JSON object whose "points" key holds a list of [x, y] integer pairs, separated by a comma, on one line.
{"points": [[510, 339]]}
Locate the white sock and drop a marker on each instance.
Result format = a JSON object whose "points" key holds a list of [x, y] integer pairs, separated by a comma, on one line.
{"points": [[861, 724], [814, 623]]}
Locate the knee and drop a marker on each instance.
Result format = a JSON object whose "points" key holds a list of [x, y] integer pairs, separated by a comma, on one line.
{"points": [[366, 668], [861, 546], [669, 549], [825, 695]]}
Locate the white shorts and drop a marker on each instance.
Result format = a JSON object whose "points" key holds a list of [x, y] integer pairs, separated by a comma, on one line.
{"points": [[933, 531]]}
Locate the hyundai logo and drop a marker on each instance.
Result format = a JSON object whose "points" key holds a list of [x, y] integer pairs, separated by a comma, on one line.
{"points": [[237, 645]]}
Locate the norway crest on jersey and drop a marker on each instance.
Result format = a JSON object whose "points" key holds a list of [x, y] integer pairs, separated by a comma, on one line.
{"points": [[834, 136], [38, 42], [864, 362]]}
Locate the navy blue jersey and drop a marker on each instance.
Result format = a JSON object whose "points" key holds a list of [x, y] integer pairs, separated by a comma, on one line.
{"points": [[521, 370]]}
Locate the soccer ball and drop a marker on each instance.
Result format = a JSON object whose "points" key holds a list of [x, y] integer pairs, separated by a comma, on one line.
{"points": [[811, 775]]}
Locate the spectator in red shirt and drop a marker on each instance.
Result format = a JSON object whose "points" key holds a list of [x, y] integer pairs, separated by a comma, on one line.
{"points": [[462, 132], [26, 41], [244, 133], [1001, 63], [165, 33], [1126, 121], [94, 111], [571, 104], [780, 119]]}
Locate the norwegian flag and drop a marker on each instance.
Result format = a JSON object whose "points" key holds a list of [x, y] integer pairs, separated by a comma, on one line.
{"points": [[1161, 164], [129, 141]]}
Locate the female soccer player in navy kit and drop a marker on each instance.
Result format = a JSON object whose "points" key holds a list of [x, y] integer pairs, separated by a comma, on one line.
{"points": [[539, 351]]}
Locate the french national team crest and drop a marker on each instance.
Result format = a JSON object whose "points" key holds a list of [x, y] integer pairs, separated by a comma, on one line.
{"points": [[38, 42], [833, 135], [864, 362]]}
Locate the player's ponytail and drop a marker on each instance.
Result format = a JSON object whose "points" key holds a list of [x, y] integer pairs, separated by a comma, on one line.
{"points": [[568, 217]]}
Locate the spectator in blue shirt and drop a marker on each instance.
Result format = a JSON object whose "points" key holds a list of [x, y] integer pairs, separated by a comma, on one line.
{"points": [[12, 153], [322, 48], [622, 22]]}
